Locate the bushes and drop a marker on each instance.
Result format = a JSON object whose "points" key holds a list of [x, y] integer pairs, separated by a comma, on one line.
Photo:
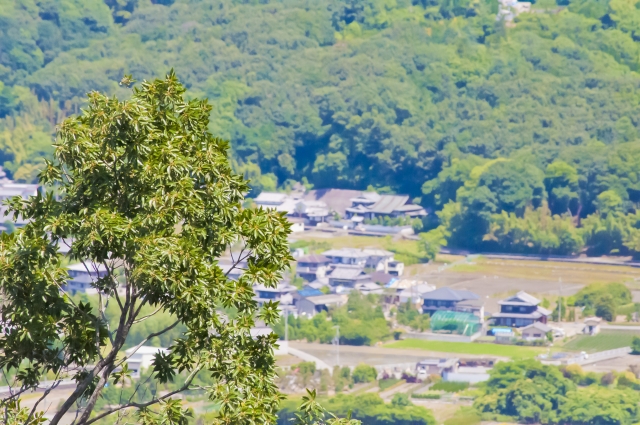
{"points": [[450, 387], [368, 408], [364, 373], [635, 345], [361, 322], [529, 392], [603, 299], [427, 395]]}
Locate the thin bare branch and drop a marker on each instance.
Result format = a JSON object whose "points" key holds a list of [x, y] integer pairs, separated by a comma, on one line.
{"points": [[152, 335], [143, 318], [149, 403], [44, 395]]}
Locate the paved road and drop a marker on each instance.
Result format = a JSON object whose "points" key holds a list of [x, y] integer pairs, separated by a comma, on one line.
{"points": [[620, 328]]}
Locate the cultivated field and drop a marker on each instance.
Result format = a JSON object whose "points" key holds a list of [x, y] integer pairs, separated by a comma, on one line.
{"points": [[511, 351], [606, 340]]}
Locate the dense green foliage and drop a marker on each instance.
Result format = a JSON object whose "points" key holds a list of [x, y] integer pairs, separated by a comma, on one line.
{"points": [[409, 315], [523, 139], [602, 300], [529, 392], [364, 373], [361, 322], [635, 345], [149, 196], [450, 387], [371, 410]]}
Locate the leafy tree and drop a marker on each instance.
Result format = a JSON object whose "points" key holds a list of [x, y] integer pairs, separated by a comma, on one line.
{"points": [[635, 345], [597, 405], [603, 298], [526, 390], [400, 400], [148, 194], [364, 373], [432, 241], [562, 185], [368, 407]]}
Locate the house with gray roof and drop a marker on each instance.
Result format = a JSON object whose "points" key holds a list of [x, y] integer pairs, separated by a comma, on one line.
{"points": [[310, 306], [370, 205], [534, 331], [312, 266], [347, 277], [270, 199], [349, 256], [449, 299], [283, 292], [520, 310]]}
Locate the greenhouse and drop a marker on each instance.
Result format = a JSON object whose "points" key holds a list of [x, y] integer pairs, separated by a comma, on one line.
{"points": [[455, 322]]}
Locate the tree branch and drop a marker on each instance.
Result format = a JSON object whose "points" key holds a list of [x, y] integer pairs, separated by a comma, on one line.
{"points": [[46, 393], [142, 319], [152, 335], [149, 403]]}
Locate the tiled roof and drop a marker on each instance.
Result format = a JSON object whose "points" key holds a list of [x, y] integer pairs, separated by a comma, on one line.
{"points": [[346, 273], [314, 258], [389, 203], [345, 252], [538, 325], [521, 298], [449, 294]]}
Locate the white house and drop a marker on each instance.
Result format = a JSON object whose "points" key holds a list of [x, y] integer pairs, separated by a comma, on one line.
{"points": [[142, 358], [378, 259], [534, 331]]}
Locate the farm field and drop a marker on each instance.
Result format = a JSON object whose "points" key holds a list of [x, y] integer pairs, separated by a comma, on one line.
{"points": [[605, 340], [511, 351], [549, 270]]}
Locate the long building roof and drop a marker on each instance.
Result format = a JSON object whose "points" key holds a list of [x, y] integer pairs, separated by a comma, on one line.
{"points": [[449, 294]]}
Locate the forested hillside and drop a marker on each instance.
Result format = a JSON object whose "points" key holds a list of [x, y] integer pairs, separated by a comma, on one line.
{"points": [[524, 138]]}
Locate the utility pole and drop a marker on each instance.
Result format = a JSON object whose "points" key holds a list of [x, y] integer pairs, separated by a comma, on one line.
{"points": [[286, 325], [337, 342], [560, 303]]}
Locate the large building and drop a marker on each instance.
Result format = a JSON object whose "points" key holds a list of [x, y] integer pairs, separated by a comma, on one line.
{"points": [[372, 205], [520, 310], [318, 206]]}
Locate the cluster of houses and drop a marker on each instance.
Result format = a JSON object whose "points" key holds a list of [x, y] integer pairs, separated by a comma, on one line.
{"points": [[341, 208], [329, 278]]}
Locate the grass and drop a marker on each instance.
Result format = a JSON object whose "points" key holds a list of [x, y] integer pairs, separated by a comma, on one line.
{"points": [[450, 387], [427, 396], [464, 416], [385, 384], [511, 351], [623, 310], [605, 340]]}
